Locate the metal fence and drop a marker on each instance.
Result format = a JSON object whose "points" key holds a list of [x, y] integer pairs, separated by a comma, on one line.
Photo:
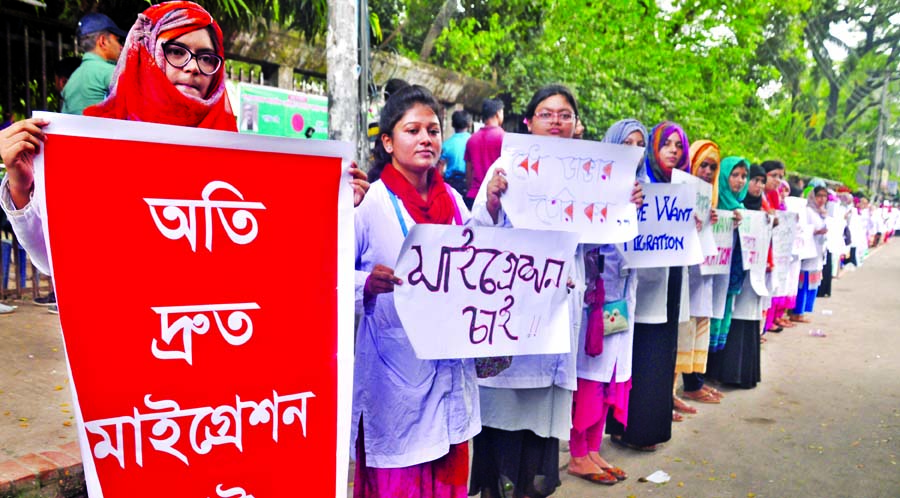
{"points": [[30, 48]]}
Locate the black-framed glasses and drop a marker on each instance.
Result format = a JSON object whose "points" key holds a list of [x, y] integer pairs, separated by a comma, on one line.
{"points": [[179, 56]]}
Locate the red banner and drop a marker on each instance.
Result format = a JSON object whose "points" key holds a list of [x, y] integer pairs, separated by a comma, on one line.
{"points": [[201, 299]]}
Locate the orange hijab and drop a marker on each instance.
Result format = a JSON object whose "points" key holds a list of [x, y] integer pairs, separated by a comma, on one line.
{"points": [[140, 90], [702, 150]]}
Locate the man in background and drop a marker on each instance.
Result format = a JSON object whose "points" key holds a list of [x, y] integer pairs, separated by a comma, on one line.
{"points": [[483, 148], [453, 163], [101, 41]]}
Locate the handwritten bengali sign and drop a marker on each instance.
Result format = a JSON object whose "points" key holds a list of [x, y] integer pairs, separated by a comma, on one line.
{"points": [[723, 234], [701, 209], [783, 236], [570, 185], [201, 376], [756, 232], [667, 232], [496, 291], [804, 243], [836, 221]]}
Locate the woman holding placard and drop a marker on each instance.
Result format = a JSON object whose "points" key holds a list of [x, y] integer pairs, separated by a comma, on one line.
{"points": [[527, 409], [693, 336], [811, 268], [604, 346], [412, 418], [733, 179], [660, 306], [171, 71], [738, 363]]}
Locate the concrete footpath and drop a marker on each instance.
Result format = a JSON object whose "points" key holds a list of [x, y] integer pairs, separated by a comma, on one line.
{"points": [[824, 422]]}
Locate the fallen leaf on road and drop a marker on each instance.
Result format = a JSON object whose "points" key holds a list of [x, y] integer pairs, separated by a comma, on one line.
{"points": [[24, 426], [23, 419], [733, 475], [680, 484], [677, 459], [67, 423], [751, 495], [58, 388]]}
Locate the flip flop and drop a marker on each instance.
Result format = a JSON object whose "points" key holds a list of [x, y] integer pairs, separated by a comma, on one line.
{"points": [[715, 392], [596, 478], [677, 417], [702, 397], [683, 407], [616, 472]]}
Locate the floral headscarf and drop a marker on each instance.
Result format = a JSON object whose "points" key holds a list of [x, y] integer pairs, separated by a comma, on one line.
{"points": [[139, 89], [658, 136]]}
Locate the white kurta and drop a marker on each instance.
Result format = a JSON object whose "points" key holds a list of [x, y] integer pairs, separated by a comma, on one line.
{"points": [[412, 410]]}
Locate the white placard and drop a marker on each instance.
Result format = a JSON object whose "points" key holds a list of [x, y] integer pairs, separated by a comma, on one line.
{"points": [[471, 292], [756, 233], [667, 231], [571, 185], [783, 236], [723, 233], [804, 243], [701, 210], [834, 238]]}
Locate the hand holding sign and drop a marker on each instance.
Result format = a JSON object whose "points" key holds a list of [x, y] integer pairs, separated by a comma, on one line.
{"points": [[380, 281], [495, 189]]}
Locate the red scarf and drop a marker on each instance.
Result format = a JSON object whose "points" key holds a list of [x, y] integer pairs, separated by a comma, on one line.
{"points": [[437, 209], [140, 90]]}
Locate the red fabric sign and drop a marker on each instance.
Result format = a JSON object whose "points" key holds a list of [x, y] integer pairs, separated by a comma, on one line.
{"points": [[198, 296]]}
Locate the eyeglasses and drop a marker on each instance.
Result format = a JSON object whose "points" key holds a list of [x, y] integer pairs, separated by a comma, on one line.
{"points": [[179, 56], [562, 116]]}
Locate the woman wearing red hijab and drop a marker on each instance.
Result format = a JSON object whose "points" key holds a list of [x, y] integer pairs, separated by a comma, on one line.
{"points": [[170, 72]]}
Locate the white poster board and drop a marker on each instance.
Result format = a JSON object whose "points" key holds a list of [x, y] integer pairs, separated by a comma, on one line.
{"points": [[804, 244], [783, 236], [570, 185], [834, 238], [723, 233], [701, 209], [471, 292], [667, 233], [756, 233]]}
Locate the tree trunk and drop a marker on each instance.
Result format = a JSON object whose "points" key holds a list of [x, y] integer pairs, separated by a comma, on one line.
{"points": [[341, 48], [440, 22]]}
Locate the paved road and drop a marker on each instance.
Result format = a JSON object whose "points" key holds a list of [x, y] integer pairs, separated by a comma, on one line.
{"points": [[824, 422]]}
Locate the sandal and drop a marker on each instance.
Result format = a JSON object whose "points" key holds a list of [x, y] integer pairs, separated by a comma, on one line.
{"points": [[602, 477], [715, 392], [800, 319], [616, 472], [677, 417], [681, 406], [702, 396]]}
